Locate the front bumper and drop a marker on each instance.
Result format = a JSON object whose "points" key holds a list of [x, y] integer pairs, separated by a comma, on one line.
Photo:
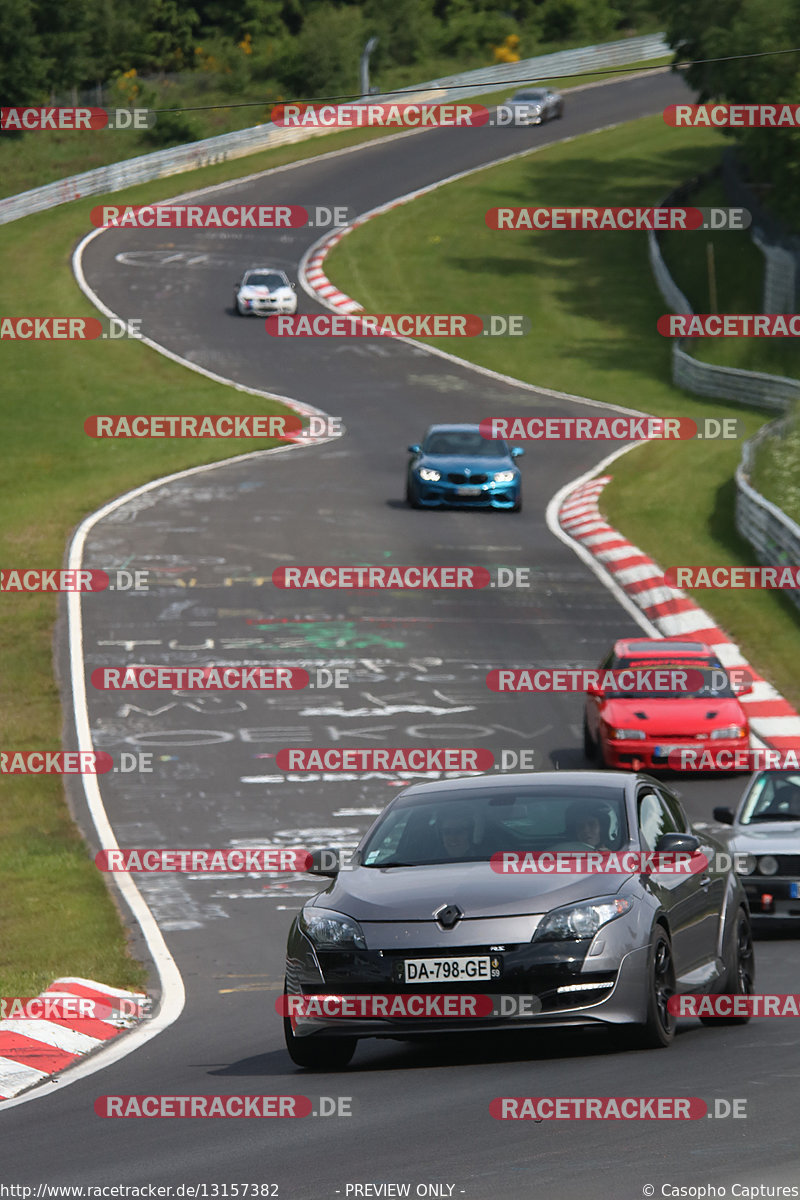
{"points": [[535, 971], [641, 755], [267, 308], [487, 495], [770, 897]]}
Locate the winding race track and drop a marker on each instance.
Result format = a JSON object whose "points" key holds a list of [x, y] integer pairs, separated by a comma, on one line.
{"points": [[416, 666]]}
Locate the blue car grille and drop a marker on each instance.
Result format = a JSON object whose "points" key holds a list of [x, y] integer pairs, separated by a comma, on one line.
{"points": [[476, 479]]}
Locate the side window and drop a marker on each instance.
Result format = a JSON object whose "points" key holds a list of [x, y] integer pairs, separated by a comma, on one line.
{"points": [[654, 819], [680, 823]]}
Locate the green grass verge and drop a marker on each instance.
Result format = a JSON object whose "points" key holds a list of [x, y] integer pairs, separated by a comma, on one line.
{"points": [[593, 306]]}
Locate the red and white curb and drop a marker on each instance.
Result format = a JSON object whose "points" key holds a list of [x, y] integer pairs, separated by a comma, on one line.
{"points": [[669, 610], [33, 1050]]}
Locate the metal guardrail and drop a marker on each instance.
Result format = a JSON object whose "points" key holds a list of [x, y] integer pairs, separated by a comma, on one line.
{"points": [[177, 159], [775, 393], [774, 536]]}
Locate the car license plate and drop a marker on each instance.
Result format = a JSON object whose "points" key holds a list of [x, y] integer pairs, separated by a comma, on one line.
{"points": [[468, 491], [794, 891], [664, 751], [443, 970]]}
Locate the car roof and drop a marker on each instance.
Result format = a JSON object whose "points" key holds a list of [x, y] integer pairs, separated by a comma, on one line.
{"points": [[464, 428], [273, 270], [605, 781], [630, 647]]}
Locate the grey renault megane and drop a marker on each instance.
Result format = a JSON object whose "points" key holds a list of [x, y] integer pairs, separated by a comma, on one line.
{"points": [[424, 910]]}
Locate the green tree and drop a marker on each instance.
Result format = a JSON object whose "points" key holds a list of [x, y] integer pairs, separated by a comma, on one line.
{"points": [[22, 75]]}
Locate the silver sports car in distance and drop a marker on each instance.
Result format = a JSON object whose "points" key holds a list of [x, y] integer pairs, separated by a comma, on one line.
{"points": [[766, 830], [264, 291], [534, 106], [423, 911]]}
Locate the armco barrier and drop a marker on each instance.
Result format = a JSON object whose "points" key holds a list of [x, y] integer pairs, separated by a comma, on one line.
{"points": [[774, 536], [775, 393], [177, 159]]}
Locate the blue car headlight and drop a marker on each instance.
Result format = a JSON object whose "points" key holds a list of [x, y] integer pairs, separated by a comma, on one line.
{"points": [[504, 477], [578, 922], [428, 475], [332, 930]]}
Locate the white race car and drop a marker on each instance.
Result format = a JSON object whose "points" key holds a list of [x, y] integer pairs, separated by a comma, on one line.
{"points": [[264, 291]]}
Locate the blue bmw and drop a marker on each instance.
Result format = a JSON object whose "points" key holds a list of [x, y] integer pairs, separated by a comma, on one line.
{"points": [[457, 466]]}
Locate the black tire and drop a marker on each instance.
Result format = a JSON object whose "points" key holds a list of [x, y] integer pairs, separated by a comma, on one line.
{"points": [[741, 977], [318, 1054], [589, 744], [518, 506], [658, 1030], [411, 499]]}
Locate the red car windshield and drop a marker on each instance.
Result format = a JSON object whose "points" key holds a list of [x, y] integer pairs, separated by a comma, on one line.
{"points": [[716, 679]]}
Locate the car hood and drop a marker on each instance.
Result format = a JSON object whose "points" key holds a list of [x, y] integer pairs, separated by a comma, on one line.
{"points": [[688, 715], [767, 837], [258, 293], [466, 462], [415, 893]]}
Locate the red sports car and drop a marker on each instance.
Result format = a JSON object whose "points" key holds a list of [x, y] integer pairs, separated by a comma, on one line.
{"points": [[637, 730]]}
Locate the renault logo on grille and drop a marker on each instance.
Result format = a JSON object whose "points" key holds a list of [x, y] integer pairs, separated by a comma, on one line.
{"points": [[448, 915]]}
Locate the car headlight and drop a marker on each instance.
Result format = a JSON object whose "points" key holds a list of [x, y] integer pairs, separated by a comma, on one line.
{"points": [[504, 477], [746, 864], [332, 931], [730, 731], [428, 475], [768, 865], [577, 922], [627, 735]]}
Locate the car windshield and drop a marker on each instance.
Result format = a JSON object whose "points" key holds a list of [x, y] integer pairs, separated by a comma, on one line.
{"points": [[528, 96], [272, 280], [774, 796], [463, 443], [716, 681], [472, 826]]}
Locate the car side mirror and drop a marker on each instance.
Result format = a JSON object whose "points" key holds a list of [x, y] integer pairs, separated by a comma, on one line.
{"points": [[594, 690], [293, 287], [723, 815], [674, 843], [517, 452], [323, 862], [415, 449], [743, 689]]}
